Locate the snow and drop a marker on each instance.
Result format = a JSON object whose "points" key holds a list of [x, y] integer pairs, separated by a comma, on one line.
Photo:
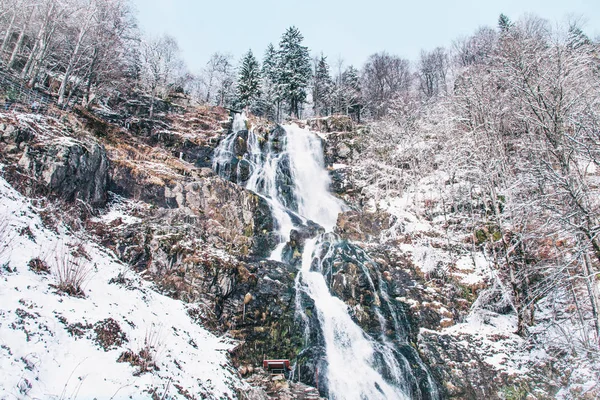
{"points": [[493, 334], [39, 358], [429, 244], [121, 208], [402, 208], [336, 166], [473, 268]]}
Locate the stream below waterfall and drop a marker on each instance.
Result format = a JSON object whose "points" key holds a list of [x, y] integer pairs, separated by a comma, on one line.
{"points": [[286, 168]]}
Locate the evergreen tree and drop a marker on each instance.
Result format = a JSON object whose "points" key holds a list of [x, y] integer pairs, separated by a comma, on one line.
{"points": [[353, 101], [248, 86], [271, 99], [577, 38], [294, 70], [322, 88], [504, 23]]}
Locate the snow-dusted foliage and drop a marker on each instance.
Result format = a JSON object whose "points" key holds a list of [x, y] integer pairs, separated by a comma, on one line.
{"points": [[248, 85], [294, 70], [504, 167]]}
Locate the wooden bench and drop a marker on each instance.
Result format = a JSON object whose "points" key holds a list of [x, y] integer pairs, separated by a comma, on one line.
{"points": [[276, 366]]}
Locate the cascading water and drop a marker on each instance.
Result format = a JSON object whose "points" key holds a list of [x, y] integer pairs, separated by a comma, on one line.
{"points": [[287, 169]]}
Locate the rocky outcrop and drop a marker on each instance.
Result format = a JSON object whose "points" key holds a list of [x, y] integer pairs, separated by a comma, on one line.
{"points": [[14, 138], [276, 386], [363, 226], [234, 215], [334, 123], [253, 300], [460, 368], [204, 241], [208, 211], [70, 169]]}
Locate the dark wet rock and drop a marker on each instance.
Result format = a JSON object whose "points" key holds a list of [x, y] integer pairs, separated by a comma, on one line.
{"points": [[358, 280], [240, 146], [194, 150], [15, 135], [340, 182], [244, 171], [267, 324], [127, 182], [292, 252], [70, 169], [265, 240]]}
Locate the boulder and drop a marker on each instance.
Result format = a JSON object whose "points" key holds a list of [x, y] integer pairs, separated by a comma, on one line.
{"points": [[70, 169]]}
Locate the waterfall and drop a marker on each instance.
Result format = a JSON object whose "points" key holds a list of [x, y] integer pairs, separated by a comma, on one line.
{"points": [[287, 169]]}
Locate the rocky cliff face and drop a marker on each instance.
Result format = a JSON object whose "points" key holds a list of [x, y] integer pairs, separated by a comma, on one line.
{"points": [[70, 169], [203, 240], [63, 167]]}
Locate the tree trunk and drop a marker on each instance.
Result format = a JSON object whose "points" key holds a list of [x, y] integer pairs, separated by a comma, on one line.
{"points": [[25, 71], [90, 77], [35, 65], [152, 94], [17, 47], [70, 66], [590, 283], [7, 35], [38, 43]]}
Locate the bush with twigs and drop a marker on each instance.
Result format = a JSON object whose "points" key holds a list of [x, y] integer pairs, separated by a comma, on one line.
{"points": [[72, 273], [145, 359]]}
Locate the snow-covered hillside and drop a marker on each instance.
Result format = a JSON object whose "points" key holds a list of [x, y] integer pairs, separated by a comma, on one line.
{"points": [[120, 339]]}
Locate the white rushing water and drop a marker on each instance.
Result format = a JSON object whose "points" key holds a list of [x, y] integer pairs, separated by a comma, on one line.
{"points": [[311, 179], [352, 371]]}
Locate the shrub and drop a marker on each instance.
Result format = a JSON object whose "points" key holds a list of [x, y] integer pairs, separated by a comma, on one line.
{"points": [[71, 273], [109, 334], [39, 266], [145, 358]]}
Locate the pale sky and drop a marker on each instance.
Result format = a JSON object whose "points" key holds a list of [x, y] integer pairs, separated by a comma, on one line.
{"points": [[348, 29]]}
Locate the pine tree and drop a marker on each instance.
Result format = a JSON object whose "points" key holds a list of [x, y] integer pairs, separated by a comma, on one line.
{"points": [[322, 88], [577, 38], [271, 99], [353, 101], [504, 23], [248, 85], [294, 70]]}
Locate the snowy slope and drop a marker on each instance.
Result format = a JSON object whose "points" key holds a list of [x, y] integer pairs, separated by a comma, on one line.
{"points": [[48, 346]]}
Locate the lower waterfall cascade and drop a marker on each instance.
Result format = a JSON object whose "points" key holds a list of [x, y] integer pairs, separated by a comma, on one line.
{"points": [[286, 168]]}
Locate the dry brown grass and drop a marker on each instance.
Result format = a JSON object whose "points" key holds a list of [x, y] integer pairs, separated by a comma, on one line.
{"points": [[72, 272], [145, 358]]}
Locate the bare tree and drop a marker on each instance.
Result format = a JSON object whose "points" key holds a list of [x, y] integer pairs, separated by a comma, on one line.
{"points": [[82, 22], [385, 77], [476, 49], [433, 69], [160, 65], [218, 78]]}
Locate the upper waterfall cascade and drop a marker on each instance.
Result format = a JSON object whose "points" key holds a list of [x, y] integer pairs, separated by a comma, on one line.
{"points": [[288, 171]]}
